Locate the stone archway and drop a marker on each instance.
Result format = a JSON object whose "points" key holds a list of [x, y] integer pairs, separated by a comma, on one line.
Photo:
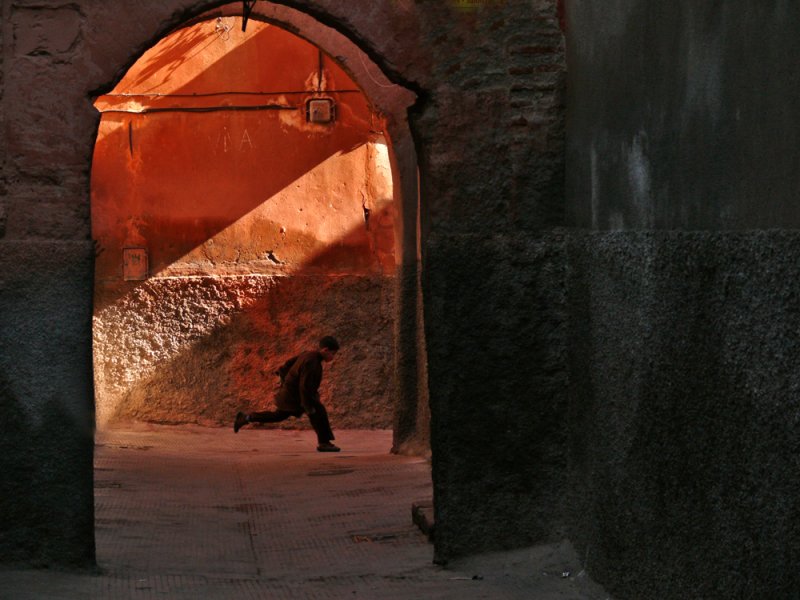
{"points": [[489, 131]]}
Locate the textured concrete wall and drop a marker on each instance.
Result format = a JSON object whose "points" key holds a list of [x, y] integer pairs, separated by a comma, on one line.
{"points": [[684, 410], [411, 426], [197, 349], [46, 495], [498, 381], [683, 337]]}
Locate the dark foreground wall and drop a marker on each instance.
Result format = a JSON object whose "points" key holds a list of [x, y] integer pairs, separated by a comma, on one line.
{"points": [[684, 412], [682, 156], [46, 419], [492, 172], [682, 115], [499, 378]]}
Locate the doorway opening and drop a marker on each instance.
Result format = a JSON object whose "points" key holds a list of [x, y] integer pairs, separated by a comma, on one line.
{"points": [[248, 197]]}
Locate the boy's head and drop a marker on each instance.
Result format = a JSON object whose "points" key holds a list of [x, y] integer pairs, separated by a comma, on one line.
{"points": [[328, 347]]}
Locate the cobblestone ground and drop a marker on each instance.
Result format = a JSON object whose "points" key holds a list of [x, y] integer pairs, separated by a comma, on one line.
{"points": [[188, 513]]}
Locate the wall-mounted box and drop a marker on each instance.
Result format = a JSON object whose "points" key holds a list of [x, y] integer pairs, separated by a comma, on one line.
{"points": [[320, 110], [134, 264]]}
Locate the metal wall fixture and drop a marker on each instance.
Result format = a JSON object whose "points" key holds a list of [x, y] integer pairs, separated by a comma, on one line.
{"points": [[320, 110]]}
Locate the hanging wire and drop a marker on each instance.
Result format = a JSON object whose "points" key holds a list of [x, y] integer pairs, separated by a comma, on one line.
{"points": [[371, 76], [222, 29]]}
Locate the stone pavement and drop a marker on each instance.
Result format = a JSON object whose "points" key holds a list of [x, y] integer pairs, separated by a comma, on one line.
{"points": [[186, 512]]}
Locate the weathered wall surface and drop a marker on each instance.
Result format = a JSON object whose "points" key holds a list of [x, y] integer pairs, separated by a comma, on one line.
{"points": [[683, 337], [491, 144], [684, 410], [681, 115], [46, 491], [196, 350], [505, 396], [46, 496]]}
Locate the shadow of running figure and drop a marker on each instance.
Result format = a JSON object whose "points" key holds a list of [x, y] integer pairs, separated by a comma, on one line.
{"points": [[300, 376]]}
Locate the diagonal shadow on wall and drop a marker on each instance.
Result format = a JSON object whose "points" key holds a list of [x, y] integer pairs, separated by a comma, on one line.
{"points": [[170, 181]]}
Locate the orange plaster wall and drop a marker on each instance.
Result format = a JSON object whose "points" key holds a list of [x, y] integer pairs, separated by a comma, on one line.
{"points": [[227, 196], [206, 189]]}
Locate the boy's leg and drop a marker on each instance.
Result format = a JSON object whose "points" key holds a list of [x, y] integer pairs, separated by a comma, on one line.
{"points": [[321, 424], [270, 416], [267, 416]]}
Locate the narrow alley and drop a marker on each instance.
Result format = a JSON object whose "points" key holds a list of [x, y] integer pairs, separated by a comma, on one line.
{"points": [[187, 512]]}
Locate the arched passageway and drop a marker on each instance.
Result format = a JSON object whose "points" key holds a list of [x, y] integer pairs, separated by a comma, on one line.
{"points": [[489, 131], [245, 201]]}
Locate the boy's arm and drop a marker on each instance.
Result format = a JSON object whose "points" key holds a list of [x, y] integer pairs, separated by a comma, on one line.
{"points": [[310, 378], [284, 369]]}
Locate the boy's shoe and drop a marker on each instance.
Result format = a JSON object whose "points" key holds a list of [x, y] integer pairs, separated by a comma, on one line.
{"points": [[239, 422], [328, 447]]}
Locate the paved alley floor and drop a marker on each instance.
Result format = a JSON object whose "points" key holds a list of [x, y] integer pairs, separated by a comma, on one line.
{"points": [[188, 512]]}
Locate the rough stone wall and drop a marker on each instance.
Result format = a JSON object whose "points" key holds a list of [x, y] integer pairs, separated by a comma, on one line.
{"points": [[683, 412], [46, 491], [46, 166], [411, 427], [197, 349], [498, 381], [682, 153], [491, 143], [46, 496]]}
